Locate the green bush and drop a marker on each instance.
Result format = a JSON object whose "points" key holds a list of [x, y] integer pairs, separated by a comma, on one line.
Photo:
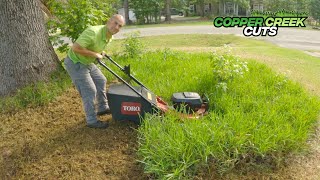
{"points": [[73, 17], [133, 47], [227, 67]]}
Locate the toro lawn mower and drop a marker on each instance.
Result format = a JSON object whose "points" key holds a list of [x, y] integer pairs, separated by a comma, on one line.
{"points": [[128, 102]]}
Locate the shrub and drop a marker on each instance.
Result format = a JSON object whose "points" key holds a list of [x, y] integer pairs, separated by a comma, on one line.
{"points": [[72, 18], [133, 47], [226, 67]]}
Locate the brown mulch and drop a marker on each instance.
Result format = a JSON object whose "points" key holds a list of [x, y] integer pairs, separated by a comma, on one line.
{"points": [[53, 142]]}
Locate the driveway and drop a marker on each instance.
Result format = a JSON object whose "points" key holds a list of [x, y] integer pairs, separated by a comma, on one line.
{"points": [[307, 40]]}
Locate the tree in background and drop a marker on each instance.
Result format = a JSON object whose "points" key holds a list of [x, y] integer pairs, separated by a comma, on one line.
{"points": [[26, 55], [302, 5], [272, 5], [126, 11], [167, 10], [243, 3], [201, 4], [186, 7], [146, 11], [185, 4], [74, 16], [288, 5], [179, 4], [269, 5], [315, 10]]}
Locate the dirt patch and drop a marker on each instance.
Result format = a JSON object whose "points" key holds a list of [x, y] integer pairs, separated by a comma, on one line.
{"points": [[52, 142]]}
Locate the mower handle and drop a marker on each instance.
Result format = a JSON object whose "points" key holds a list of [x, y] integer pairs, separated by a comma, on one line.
{"points": [[129, 85], [126, 70]]}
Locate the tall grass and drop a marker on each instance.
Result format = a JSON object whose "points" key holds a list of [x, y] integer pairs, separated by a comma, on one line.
{"points": [[256, 121], [162, 71]]}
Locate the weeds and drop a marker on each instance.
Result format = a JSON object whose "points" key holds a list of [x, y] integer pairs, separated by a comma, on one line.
{"points": [[133, 47], [226, 67]]}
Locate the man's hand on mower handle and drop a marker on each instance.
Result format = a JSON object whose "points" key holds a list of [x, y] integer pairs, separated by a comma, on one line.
{"points": [[103, 53], [99, 56]]}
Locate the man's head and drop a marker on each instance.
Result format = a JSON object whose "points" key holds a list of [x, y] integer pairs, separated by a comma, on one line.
{"points": [[115, 23]]}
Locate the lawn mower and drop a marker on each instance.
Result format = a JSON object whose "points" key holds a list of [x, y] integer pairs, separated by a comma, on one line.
{"points": [[128, 102]]}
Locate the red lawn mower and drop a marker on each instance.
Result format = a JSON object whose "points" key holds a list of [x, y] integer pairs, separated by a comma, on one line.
{"points": [[128, 102]]}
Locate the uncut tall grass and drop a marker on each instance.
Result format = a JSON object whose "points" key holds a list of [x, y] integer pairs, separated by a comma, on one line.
{"points": [[258, 119]]}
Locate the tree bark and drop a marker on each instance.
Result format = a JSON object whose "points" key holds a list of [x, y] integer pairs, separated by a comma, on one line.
{"points": [[44, 8], [126, 11], [26, 54], [201, 4], [167, 9]]}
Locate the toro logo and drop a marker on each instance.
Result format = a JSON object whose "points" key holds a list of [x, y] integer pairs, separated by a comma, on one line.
{"points": [[130, 108]]}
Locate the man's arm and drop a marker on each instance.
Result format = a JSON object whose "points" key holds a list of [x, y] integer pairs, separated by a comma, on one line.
{"points": [[85, 52]]}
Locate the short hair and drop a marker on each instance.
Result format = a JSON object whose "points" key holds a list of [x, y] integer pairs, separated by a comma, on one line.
{"points": [[117, 16]]}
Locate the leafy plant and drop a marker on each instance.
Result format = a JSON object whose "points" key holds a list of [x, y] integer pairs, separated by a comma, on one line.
{"points": [[72, 18], [226, 67], [133, 47]]}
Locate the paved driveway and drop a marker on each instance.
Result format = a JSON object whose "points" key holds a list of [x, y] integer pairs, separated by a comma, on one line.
{"points": [[287, 37]]}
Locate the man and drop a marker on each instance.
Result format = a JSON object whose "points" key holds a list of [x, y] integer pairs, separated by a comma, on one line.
{"points": [[85, 75]]}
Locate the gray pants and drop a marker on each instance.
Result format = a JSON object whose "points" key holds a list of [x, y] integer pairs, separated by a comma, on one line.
{"points": [[91, 84]]}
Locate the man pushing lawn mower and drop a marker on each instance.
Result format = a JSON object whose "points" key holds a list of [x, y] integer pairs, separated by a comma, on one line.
{"points": [[88, 79], [127, 102]]}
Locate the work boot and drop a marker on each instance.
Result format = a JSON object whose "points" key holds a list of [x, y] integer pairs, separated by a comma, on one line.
{"points": [[99, 125], [107, 111]]}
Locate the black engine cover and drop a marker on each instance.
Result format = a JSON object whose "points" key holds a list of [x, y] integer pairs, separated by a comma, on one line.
{"points": [[190, 100]]}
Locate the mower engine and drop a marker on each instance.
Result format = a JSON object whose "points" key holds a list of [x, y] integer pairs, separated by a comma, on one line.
{"points": [[191, 101]]}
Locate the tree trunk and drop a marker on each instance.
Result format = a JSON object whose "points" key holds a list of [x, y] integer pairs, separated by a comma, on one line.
{"points": [[26, 55], [187, 9], [126, 11], [201, 4], [167, 9]]}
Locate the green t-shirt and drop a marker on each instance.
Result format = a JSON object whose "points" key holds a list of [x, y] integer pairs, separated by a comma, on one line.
{"points": [[93, 38]]}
